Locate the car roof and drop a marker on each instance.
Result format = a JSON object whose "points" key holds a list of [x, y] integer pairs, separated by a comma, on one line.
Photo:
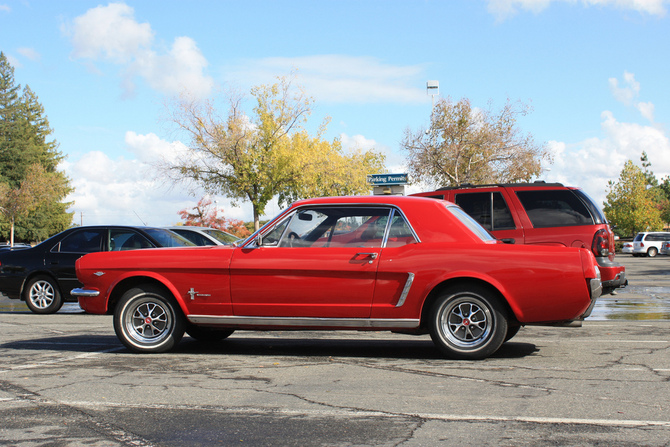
{"points": [[365, 200]]}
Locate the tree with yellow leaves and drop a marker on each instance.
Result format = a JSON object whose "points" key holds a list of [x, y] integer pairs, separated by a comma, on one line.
{"points": [[266, 155], [630, 204]]}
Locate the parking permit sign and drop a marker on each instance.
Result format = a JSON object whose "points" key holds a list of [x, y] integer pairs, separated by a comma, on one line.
{"points": [[387, 179]]}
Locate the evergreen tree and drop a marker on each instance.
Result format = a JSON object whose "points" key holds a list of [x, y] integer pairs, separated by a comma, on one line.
{"points": [[24, 142]]}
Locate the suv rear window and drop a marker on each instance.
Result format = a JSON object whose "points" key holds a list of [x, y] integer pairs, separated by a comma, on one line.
{"points": [[554, 208]]}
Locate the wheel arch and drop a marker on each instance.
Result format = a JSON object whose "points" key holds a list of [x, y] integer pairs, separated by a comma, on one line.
{"points": [[34, 274], [135, 281], [461, 281]]}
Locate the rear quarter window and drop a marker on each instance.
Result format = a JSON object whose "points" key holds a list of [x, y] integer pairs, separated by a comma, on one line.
{"points": [[554, 208]]}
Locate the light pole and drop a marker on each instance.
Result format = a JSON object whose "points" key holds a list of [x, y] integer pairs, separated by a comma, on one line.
{"points": [[433, 89]]}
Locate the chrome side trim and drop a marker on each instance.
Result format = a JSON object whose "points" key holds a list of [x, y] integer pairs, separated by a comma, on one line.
{"points": [[405, 290], [84, 292], [304, 322]]}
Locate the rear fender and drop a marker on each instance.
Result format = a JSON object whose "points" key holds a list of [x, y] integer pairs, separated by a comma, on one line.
{"points": [[435, 288]]}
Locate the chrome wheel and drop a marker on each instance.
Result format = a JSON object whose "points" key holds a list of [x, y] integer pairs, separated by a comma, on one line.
{"points": [[42, 295], [468, 322], [146, 320]]}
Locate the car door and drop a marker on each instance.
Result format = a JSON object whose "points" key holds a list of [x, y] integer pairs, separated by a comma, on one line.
{"points": [[60, 260], [319, 261]]}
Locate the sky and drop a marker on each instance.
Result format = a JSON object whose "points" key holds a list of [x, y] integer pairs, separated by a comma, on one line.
{"points": [[595, 72]]}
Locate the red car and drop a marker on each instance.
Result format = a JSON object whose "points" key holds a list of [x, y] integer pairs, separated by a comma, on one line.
{"points": [[541, 213], [405, 264]]}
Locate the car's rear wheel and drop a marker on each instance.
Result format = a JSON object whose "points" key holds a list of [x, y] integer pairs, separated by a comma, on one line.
{"points": [[468, 322], [148, 320], [42, 295], [652, 252], [206, 334]]}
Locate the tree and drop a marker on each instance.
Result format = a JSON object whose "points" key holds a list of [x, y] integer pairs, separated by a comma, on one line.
{"points": [[665, 201], [468, 145], [266, 155], [204, 215], [35, 190], [24, 143], [630, 205]]}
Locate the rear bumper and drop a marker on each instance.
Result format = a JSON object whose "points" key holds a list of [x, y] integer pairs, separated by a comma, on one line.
{"points": [[613, 275]]}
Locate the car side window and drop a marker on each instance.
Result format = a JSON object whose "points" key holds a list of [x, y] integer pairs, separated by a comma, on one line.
{"points": [[83, 241], [554, 208], [400, 233], [337, 226], [122, 239], [488, 208]]}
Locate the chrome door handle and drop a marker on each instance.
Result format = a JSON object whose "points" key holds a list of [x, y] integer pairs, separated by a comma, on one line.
{"points": [[369, 255], [372, 256]]}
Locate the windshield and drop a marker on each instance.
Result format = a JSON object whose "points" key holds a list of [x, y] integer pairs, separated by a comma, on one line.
{"points": [[469, 222], [221, 236], [167, 238]]}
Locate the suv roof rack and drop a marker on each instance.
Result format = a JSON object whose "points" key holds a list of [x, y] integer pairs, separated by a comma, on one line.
{"points": [[522, 185]]}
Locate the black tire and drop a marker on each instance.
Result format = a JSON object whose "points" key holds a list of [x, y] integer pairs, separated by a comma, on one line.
{"points": [[512, 330], [468, 322], [42, 295], [148, 320], [206, 334], [652, 252]]}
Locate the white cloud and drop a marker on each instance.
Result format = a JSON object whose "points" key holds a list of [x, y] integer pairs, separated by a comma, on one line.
{"points": [[628, 95], [591, 163], [5, 8], [628, 92], [127, 191], [341, 78], [111, 33], [504, 9], [29, 53]]}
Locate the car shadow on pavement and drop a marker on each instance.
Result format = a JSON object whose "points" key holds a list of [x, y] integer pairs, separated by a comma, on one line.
{"points": [[388, 348], [421, 348]]}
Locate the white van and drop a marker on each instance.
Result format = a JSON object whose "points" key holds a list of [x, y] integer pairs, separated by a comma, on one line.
{"points": [[649, 244]]}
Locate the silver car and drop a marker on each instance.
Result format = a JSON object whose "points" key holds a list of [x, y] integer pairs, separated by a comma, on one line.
{"points": [[204, 235]]}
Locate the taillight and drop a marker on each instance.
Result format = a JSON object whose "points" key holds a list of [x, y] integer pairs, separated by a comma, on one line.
{"points": [[601, 243]]}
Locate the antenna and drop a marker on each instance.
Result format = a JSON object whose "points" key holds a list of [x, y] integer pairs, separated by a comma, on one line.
{"points": [[138, 216]]}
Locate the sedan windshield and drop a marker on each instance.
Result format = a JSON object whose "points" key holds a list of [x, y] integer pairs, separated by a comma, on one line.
{"points": [[223, 237], [167, 238]]}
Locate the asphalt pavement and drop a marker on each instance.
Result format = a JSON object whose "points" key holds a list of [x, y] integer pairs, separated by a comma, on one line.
{"points": [[66, 380]]}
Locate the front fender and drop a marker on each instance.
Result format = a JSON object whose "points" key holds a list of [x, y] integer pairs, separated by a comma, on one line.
{"points": [[129, 280]]}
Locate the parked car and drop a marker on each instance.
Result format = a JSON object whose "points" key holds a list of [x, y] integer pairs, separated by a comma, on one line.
{"points": [[627, 247], [403, 264], [649, 243], [43, 275], [541, 213], [204, 235]]}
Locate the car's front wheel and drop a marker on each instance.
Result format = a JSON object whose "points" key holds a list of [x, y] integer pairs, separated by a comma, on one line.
{"points": [[468, 322], [148, 320], [42, 295]]}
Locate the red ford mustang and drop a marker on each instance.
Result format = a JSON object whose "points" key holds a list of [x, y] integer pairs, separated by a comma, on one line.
{"points": [[405, 264]]}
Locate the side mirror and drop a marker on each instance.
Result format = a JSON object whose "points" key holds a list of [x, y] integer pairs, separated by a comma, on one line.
{"points": [[259, 240]]}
